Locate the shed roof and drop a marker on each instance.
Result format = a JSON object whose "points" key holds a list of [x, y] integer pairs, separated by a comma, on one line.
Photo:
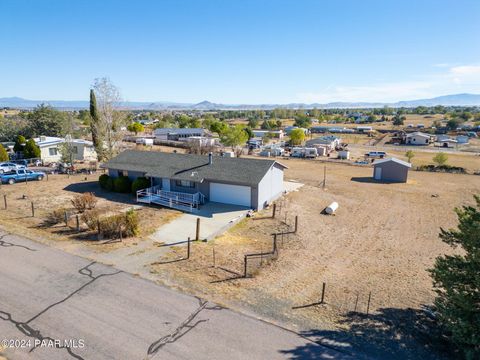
{"points": [[395, 160], [193, 167]]}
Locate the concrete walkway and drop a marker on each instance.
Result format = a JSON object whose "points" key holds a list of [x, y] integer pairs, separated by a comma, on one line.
{"points": [[215, 218]]}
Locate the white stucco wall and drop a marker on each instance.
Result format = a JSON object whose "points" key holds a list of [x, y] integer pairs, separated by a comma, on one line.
{"points": [[271, 186]]}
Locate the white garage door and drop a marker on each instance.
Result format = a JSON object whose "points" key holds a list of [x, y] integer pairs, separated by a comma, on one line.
{"points": [[230, 194]]}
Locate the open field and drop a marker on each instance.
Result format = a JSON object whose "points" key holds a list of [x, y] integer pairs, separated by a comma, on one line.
{"points": [[382, 240]]}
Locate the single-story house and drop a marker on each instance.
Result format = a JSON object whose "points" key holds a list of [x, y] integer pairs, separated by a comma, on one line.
{"points": [[278, 134], [50, 149], [391, 170], [447, 143], [177, 134], [330, 142], [417, 138], [202, 141], [289, 129], [462, 139], [185, 181]]}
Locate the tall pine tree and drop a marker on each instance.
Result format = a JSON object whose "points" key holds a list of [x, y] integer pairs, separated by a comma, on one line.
{"points": [[95, 126]]}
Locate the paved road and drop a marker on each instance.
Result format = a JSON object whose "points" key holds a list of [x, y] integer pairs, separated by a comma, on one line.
{"points": [[47, 295]]}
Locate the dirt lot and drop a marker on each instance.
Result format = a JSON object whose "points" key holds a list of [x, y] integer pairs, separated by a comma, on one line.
{"points": [[381, 241], [56, 193]]}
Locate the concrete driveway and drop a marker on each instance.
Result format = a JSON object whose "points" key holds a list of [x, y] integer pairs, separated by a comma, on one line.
{"points": [[215, 218]]}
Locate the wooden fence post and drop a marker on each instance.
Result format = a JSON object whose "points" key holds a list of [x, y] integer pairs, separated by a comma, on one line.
{"points": [[78, 223], [188, 248], [245, 266], [5, 201], [213, 255], [323, 293], [368, 304], [274, 210], [65, 218], [296, 223], [197, 234], [33, 210], [356, 303]]}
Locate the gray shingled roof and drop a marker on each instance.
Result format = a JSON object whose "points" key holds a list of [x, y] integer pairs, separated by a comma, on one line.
{"points": [[192, 167]]}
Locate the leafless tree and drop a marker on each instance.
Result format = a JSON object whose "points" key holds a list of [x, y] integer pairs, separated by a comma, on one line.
{"points": [[111, 119]]}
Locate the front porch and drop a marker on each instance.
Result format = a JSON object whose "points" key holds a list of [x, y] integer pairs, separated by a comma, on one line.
{"points": [[172, 199]]}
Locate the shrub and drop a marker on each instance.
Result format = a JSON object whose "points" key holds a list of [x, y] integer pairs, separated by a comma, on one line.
{"points": [[128, 223], [102, 180], [55, 217], [110, 184], [122, 184], [86, 201], [91, 218], [131, 226], [140, 184]]}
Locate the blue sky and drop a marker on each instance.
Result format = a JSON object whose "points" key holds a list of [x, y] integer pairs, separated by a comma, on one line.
{"points": [[241, 51]]}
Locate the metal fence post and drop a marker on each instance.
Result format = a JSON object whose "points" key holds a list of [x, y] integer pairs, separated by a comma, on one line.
{"points": [[188, 248]]}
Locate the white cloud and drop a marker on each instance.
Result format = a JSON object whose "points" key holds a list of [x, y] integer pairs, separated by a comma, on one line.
{"points": [[465, 74], [464, 78]]}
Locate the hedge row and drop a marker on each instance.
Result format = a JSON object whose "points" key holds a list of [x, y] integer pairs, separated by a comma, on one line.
{"points": [[122, 184]]}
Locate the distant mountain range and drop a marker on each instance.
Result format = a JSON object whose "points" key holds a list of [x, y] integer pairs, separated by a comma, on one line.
{"points": [[447, 100]]}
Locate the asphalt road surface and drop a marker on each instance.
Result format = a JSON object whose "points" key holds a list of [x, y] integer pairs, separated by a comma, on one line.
{"points": [[54, 305]]}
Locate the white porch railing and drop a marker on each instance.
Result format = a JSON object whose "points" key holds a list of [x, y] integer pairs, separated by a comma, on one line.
{"points": [[173, 199]]}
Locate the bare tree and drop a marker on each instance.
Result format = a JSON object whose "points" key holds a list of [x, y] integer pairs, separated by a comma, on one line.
{"points": [[110, 118]]}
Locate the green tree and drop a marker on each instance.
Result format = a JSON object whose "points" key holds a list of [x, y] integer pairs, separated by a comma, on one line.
{"points": [[453, 124], [297, 136], [219, 127], [398, 120], [135, 127], [234, 136], [45, 120], [456, 281], [410, 155], [3, 154], [249, 132], [253, 123], [31, 150], [303, 121], [440, 159], [19, 143]]}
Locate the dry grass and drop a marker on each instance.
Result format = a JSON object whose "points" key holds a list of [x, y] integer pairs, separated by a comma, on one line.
{"points": [[382, 240], [57, 193]]}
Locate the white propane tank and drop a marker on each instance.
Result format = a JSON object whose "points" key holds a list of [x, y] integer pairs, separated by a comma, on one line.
{"points": [[330, 209]]}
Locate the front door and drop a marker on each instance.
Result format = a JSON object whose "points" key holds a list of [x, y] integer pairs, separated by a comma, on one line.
{"points": [[166, 184], [378, 173]]}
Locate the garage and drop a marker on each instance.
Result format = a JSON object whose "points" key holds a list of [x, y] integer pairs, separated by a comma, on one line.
{"points": [[230, 194]]}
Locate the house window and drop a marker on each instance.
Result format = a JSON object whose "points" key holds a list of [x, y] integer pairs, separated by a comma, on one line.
{"points": [[122, 173], [185, 183], [53, 151]]}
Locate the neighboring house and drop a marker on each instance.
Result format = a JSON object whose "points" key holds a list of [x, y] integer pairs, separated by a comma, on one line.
{"points": [[391, 170], [447, 143], [417, 138], [202, 141], [184, 181], [330, 142], [177, 134], [289, 129], [50, 149], [462, 139], [273, 133]]}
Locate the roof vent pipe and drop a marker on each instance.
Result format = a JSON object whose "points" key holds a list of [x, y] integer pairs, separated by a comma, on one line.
{"points": [[210, 159]]}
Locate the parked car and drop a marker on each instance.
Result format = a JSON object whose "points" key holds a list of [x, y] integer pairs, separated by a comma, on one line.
{"points": [[9, 166], [376, 154], [21, 175], [20, 162]]}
